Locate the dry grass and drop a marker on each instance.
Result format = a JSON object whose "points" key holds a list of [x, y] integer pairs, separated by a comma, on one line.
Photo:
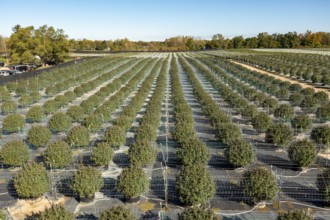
{"points": [[28, 207], [146, 206], [263, 209], [215, 210]]}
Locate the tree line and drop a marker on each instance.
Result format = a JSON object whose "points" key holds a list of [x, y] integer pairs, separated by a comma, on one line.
{"points": [[47, 45], [218, 41]]}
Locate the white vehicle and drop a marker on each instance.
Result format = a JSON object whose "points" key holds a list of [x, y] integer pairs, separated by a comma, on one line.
{"points": [[4, 73]]}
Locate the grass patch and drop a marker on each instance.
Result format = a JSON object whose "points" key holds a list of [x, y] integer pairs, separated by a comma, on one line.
{"points": [[146, 206]]}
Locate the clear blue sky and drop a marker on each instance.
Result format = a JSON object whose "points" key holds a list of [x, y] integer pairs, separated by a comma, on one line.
{"points": [[159, 19]]}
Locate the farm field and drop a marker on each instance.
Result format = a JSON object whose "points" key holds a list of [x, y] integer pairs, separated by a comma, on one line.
{"points": [[160, 132]]}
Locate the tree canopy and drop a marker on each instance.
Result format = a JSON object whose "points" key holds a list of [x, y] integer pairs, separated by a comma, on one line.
{"points": [[259, 184], [198, 213], [32, 181], [43, 45], [87, 181], [116, 213], [302, 152], [195, 185], [55, 212], [14, 153], [132, 182]]}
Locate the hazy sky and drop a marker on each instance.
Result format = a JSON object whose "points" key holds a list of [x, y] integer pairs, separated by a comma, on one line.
{"points": [[159, 19]]}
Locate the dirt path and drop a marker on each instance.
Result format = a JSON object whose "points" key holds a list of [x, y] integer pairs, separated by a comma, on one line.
{"points": [[304, 85]]}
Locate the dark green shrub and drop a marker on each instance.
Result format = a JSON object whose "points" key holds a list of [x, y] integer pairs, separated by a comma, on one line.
{"points": [[239, 153], [102, 153], [284, 111], [76, 113], [59, 122], [87, 181], [58, 154], [35, 114], [13, 123], [322, 97], [35, 96], [301, 123], [93, 122], [14, 153], [55, 212], [5, 95], [309, 104], [25, 100], [193, 151], [50, 106], [132, 182], [70, 96], [8, 107], [270, 104], [262, 122], [198, 213], [226, 133], [296, 99], [259, 184], [279, 135], [302, 152], [323, 112], [115, 136], [194, 185], [142, 154], [38, 136], [32, 181], [115, 213], [321, 135], [78, 136]]}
